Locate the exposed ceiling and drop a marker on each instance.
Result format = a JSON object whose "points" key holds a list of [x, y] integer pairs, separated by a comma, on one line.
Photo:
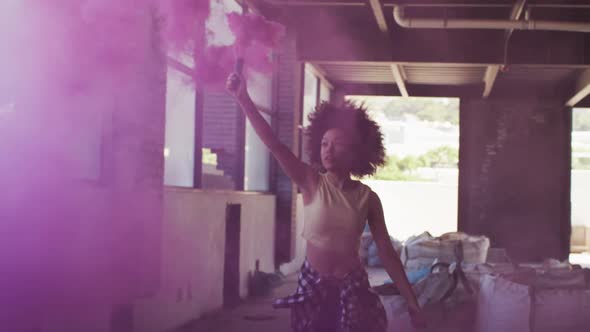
{"points": [[412, 73], [355, 43]]}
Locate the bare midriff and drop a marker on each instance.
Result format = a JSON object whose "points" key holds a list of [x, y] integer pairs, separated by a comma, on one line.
{"points": [[332, 264]]}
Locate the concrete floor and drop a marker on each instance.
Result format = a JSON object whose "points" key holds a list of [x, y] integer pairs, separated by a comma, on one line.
{"points": [[253, 314], [257, 314]]}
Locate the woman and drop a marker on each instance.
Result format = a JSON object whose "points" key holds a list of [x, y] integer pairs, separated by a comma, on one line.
{"points": [[334, 293]]}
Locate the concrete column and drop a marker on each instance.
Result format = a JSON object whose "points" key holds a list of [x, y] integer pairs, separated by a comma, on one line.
{"points": [[514, 175]]}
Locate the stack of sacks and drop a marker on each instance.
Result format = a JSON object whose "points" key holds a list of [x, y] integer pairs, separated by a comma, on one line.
{"points": [[368, 251], [423, 250], [366, 240], [476, 272], [447, 305], [429, 290], [535, 298]]}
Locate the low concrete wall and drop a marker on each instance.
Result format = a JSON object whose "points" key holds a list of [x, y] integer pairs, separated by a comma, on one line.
{"points": [[193, 249], [300, 244]]}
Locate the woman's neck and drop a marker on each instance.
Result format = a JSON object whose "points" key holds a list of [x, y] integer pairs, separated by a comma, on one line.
{"points": [[341, 180]]}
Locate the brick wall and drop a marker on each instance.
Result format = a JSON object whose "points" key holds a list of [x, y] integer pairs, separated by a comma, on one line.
{"points": [[514, 175]]}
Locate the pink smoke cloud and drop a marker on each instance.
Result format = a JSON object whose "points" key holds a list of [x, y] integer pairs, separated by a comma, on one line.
{"points": [[255, 38], [215, 65], [184, 21], [63, 60], [102, 36], [250, 28]]}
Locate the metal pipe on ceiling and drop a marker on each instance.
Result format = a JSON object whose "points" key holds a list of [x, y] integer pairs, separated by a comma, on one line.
{"points": [[486, 5], [311, 3], [308, 3], [451, 5], [444, 23]]}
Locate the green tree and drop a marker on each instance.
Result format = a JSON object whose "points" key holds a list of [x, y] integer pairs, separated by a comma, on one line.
{"points": [[580, 163], [404, 169], [409, 164], [397, 170], [209, 157], [444, 156], [581, 120]]}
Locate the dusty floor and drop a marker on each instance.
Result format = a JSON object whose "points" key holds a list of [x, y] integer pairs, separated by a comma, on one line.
{"points": [[253, 315], [257, 314]]}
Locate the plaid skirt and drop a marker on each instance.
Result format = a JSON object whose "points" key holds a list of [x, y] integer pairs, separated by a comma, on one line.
{"points": [[343, 305]]}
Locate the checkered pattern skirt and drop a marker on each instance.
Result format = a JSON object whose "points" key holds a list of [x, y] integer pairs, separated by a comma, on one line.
{"points": [[334, 305]]}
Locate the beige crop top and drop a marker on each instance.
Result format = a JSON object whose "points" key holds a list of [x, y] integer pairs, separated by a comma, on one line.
{"points": [[335, 218]]}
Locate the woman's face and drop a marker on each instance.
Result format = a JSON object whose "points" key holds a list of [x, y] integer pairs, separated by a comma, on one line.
{"points": [[336, 150]]}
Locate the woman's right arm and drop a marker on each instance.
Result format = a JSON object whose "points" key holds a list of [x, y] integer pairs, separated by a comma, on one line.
{"points": [[298, 171]]}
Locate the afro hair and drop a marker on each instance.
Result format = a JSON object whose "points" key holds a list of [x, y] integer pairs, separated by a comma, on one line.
{"points": [[348, 117]]}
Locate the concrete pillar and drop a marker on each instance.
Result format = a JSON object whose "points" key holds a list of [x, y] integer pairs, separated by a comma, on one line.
{"points": [[514, 175], [81, 172]]}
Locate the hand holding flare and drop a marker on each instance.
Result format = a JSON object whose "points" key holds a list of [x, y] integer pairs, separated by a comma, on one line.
{"points": [[235, 84], [239, 64]]}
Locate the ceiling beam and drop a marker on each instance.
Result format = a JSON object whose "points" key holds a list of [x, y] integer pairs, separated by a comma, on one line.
{"points": [[336, 41], [582, 89], [181, 67], [319, 73], [450, 64], [490, 79], [314, 3], [492, 71], [467, 91], [377, 8], [404, 63], [515, 13], [397, 72], [517, 9]]}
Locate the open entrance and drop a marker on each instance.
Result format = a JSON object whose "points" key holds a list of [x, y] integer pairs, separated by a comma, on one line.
{"points": [[580, 182], [419, 184]]}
